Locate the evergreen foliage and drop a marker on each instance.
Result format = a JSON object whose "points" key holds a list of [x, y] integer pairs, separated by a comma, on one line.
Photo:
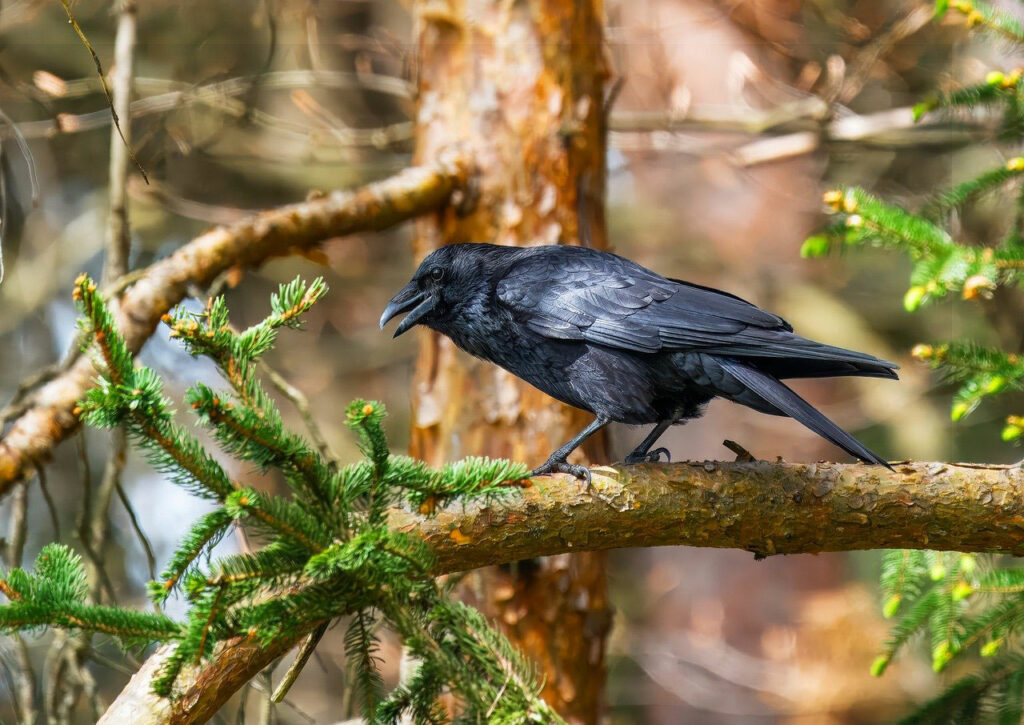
{"points": [[326, 549], [964, 606]]}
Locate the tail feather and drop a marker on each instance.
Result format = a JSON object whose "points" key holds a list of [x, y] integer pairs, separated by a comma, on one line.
{"points": [[775, 394]]}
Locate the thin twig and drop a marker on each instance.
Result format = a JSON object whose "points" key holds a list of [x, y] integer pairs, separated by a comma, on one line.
{"points": [[301, 403], [133, 518], [21, 669], [17, 530], [25, 681], [266, 715], [168, 95], [306, 650], [51, 505], [103, 83], [118, 240]]}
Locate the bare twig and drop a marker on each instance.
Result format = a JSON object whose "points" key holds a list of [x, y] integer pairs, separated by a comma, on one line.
{"points": [[118, 230], [133, 518], [301, 403], [51, 505], [16, 527], [21, 670], [804, 132], [103, 81], [166, 95], [306, 650]]}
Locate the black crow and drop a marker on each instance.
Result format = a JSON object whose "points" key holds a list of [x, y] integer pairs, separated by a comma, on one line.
{"points": [[602, 333]]}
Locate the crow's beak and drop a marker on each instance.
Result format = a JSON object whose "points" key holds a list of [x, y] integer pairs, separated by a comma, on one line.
{"points": [[409, 299]]}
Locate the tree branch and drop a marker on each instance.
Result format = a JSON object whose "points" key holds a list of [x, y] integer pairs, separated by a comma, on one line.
{"points": [[415, 191], [765, 508], [792, 130]]}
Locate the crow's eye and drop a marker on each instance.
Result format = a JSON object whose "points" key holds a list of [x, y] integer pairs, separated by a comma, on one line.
{"points": [[436, 274]]}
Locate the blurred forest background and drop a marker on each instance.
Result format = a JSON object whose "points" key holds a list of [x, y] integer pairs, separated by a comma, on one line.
{"points": [[244, 104]]}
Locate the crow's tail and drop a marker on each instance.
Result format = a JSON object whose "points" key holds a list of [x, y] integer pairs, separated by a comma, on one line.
{"points": [[769, 392]]}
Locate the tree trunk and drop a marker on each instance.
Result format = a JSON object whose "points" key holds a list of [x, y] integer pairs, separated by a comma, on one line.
{"points": [[519, 88]]}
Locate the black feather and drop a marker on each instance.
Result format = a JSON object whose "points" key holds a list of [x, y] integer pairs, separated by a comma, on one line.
{"points": [[604, 334], [775, 393]]}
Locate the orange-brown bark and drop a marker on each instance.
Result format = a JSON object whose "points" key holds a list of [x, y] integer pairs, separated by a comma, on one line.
{"points": [[519, 88]]}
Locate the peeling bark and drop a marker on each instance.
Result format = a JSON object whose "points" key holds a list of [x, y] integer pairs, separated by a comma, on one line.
{"points": [[519, 88], [285, 230]]}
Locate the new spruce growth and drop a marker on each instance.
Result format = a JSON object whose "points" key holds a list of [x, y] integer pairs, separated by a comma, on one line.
{"points": [[326, 551], [961, 605]]}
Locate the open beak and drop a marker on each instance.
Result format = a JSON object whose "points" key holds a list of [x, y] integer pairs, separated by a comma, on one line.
{"points": [[409, 299]]}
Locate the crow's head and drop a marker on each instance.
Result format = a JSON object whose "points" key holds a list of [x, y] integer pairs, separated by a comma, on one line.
{"points": [[447, 281]]}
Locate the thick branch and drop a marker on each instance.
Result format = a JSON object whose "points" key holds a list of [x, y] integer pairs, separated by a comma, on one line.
{"points": [[765, 508], [277, 232]]}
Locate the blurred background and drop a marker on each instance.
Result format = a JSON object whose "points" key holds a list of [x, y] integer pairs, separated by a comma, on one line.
{"points": [[243, 104]]}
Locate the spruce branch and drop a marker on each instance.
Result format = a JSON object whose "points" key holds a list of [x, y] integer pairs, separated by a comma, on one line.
{"points": [[313, 567], [54, 595], [981, 15]]}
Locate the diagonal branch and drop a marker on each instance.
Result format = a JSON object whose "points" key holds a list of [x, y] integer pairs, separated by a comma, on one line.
{"points": [[277, 232], [766, 508]]}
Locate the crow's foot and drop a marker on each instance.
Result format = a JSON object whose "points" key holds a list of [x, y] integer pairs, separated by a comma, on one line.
{"points": [[562, 466], [649, 457]]}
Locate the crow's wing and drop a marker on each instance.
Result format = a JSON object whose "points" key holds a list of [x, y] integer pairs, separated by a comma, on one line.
{"points": [[607, 300]]}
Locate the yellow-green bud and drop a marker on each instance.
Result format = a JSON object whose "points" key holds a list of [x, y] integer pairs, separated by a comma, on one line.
{"points": [[891, 606], [995, 384], [816, 246], [914, 297], [879, 665], [942, 653], [991, 647], [960, 410], [961, 590], [995, 78]]}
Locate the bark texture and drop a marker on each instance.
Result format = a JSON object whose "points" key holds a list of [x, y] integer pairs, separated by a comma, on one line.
{"points": [[765, 508], [519, 88], [48, 418]]}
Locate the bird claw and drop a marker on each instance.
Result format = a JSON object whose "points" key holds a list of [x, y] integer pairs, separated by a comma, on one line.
{"points": [[649, 457], [556, 466]]}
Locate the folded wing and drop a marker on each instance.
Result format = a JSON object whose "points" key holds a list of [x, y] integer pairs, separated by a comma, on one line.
{"points": [[581, 294]]}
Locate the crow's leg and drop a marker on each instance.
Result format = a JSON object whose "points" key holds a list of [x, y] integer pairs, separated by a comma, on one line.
{"points": [[557, 463], [641, 454]]}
